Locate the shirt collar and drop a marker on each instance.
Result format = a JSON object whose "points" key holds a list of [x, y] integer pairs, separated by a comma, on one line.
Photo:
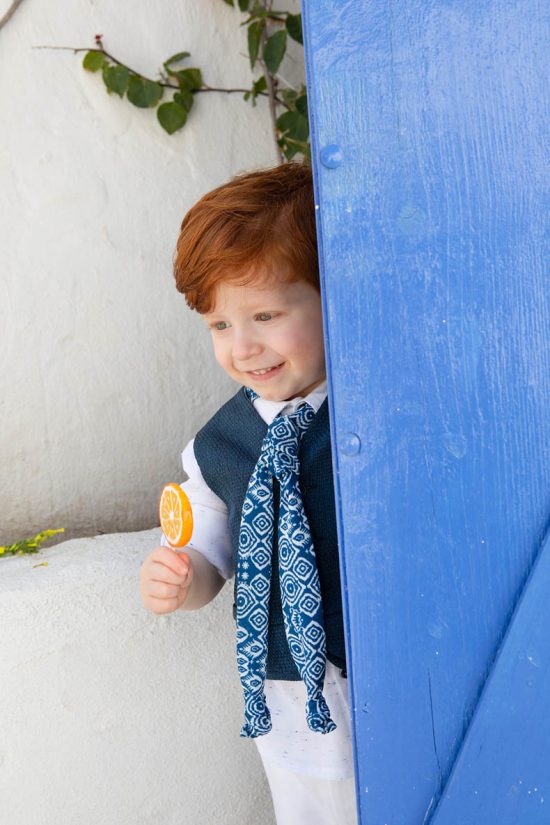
{"points": [[269, 409]]}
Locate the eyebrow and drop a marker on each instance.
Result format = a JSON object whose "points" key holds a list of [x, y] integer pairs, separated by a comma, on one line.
{"points": [[211, 320], [266, 306]]}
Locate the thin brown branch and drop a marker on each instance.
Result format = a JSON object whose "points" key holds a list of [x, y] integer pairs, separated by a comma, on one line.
{"points": [[204, 87], [271, 91], [10, 12], [76, 49]]}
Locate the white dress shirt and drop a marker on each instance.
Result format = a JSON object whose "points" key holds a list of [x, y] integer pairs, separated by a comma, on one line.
{"points": [[290, 743]]}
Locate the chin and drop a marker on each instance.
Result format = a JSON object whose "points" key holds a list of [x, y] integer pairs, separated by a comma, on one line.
{"points": [[272, 395]]}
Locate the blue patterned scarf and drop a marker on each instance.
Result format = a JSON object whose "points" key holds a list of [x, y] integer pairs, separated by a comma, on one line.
{"points": [[300, 589]]}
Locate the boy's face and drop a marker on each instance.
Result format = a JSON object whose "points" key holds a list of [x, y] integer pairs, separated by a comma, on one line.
{"points": [[270, 326]]}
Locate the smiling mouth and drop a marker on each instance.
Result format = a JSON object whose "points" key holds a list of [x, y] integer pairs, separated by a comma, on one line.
{"points": [[266, 371]]}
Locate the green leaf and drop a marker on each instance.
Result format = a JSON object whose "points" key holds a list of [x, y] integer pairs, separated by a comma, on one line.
{"points": [[171, 117], [290, 148], [258, 86], [293, 125], [254, 34], [93, 61], [290, 151], [229, 2], [289, 96], [244, 4], [176, 58], [185, 99], [301, 105], [260, 10], [116, 78], [188, 79], [274, 50], [143, 93], [294, 27]]}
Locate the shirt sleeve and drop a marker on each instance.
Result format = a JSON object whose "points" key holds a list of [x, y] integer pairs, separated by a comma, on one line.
{"points": [[211, 536]]}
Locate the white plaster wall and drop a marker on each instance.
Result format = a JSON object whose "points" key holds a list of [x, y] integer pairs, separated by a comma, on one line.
{"points": [[110, 715], [104, 373]]}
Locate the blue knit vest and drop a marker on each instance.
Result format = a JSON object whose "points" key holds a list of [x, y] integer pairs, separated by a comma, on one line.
{"points": [[227, 449]]}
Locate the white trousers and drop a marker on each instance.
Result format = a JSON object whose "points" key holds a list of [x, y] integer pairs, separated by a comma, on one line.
{"points": [[299, 799]]}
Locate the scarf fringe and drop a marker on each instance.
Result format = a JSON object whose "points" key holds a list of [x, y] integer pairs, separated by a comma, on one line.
{"points": [[318, 716], [258, 720]]}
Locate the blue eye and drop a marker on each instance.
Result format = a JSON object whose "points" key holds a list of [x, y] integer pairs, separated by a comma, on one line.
{"points": [[220, 325], [264, 316]]}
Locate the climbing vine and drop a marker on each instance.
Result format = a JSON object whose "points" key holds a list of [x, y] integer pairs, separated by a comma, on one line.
{"points": [[268, 31]]}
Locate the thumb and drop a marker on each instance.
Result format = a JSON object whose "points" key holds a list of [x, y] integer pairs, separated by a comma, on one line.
{"points": [[187, 576]]}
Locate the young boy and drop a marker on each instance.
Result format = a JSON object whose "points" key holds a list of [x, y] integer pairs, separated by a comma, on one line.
{"points": [[261, 489]]}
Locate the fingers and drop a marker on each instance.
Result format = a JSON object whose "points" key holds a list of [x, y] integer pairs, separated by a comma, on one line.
{"points": [[161, 573], [177, 563], [161, 606], [162, 590], [165, 579]]}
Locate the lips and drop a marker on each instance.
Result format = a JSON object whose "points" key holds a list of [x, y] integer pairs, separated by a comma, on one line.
{"points": [[267, 372]]}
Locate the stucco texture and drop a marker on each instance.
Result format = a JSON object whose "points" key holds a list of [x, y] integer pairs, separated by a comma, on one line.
{"points": [[111, 715]]}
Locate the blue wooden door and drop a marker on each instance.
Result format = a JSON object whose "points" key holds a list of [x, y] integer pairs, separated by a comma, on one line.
{"points": [[430, 134]]}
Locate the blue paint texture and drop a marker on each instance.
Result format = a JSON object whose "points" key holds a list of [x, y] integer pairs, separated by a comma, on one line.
{"points": [[433, 233], [502, 773]]}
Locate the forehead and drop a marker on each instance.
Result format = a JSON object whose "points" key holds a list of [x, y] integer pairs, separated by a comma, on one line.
{"points": [[263, 287], [227, 295]]}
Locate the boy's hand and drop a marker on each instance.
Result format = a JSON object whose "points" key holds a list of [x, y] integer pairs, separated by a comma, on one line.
{"points": [[165, 578]]}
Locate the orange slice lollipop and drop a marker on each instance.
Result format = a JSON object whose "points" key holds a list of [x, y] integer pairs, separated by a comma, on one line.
{"points": [[176, 516]]}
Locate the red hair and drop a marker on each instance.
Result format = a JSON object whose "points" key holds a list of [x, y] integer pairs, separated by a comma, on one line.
{"points": [[247, 227]]}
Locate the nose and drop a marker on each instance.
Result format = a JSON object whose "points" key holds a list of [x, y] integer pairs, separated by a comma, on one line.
{"points": [[246, 345]]}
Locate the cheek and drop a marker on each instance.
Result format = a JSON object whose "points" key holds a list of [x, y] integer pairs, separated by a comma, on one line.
{"points": [[307, 341], [221, 352]]}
